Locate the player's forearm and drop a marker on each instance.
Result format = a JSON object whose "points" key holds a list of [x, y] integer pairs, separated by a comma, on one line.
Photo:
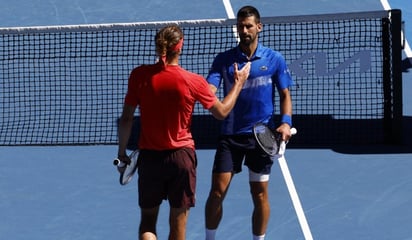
{"points": [[230, 99], [125, 127], [223, 108], [286, 107]]}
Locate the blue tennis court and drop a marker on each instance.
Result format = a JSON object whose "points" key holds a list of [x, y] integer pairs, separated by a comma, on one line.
{"points": [[72, 192]]}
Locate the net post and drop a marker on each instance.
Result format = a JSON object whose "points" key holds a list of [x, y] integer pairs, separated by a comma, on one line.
{"points": [[392, 77], [397, 76]]}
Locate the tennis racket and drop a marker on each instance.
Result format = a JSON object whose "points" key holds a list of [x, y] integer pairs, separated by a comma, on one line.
{"points": [[127, 170], [268, 139]]}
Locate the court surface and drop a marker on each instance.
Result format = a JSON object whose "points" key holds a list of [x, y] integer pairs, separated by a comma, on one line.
{"points": [[73, 192]]}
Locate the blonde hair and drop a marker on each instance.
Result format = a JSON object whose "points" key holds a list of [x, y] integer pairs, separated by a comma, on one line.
{"points": [[166, 39]]}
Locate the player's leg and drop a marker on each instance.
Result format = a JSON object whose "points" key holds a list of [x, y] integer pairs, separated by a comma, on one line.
{"points": [[259, 164], [151, 192], [177, 221], [214, 203], [228, 161], [261, 210], [181, 187], [148, 219], [223, 170]]}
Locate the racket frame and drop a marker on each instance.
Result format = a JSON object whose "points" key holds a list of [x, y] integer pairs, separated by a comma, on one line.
{"points": [[275, 136], [129, 170]]}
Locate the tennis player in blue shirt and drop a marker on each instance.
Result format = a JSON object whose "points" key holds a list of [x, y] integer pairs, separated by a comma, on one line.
{"points": [[269, 72]]}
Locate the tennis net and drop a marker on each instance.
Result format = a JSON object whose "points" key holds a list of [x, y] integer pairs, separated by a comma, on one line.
{"points": [[64, 85]]}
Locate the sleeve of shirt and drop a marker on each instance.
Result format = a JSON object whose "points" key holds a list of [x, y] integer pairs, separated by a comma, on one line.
{"points": [[284, 78], [203, 94], [131, 97], [215, 75]]}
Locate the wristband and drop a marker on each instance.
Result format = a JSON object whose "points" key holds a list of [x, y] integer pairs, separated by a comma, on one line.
{"points": [[286, 119]]}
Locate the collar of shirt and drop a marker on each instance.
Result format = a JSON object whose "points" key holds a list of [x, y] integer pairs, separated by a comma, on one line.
{"points": [[256, 54]]}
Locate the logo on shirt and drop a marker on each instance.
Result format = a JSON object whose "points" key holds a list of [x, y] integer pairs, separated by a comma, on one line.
{"points": [[286, 71], [263, 68]]}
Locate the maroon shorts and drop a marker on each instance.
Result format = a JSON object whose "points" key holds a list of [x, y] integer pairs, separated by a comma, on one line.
{"points": [[170, 175]]}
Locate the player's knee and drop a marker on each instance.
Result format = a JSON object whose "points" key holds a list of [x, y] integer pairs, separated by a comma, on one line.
{"points": [[215, 197], [259, 196], [259, 192]]}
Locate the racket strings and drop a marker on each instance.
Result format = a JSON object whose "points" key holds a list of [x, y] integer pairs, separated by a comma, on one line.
{"points": [[269, 139]]}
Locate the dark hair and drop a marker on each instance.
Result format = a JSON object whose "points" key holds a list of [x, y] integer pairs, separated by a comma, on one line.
{"points": [[248, 11], [166, 38]]}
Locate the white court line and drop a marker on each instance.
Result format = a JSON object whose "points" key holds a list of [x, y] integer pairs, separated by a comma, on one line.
{"points": [[229, 9], [231, 15], [295, 199], [407, 48], [293, 193], [385, 5]]}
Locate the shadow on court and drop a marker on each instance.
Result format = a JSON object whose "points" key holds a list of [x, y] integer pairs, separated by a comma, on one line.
{"points": [[403, 147]]}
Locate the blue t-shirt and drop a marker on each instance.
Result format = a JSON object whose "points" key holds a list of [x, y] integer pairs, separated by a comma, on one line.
{"points": [[256, 100]]}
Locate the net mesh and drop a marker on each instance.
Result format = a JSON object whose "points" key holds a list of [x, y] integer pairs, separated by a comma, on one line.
{"points": [[63, 85]]}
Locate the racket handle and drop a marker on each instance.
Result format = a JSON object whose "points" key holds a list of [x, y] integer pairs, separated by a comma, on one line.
{"points": [[118, 163], [293, 131]]}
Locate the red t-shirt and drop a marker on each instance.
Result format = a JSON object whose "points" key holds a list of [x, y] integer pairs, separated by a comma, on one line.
{"points": [[166, 97]]}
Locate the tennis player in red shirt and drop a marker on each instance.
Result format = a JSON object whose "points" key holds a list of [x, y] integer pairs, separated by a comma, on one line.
{"points": [[166, 94]]}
